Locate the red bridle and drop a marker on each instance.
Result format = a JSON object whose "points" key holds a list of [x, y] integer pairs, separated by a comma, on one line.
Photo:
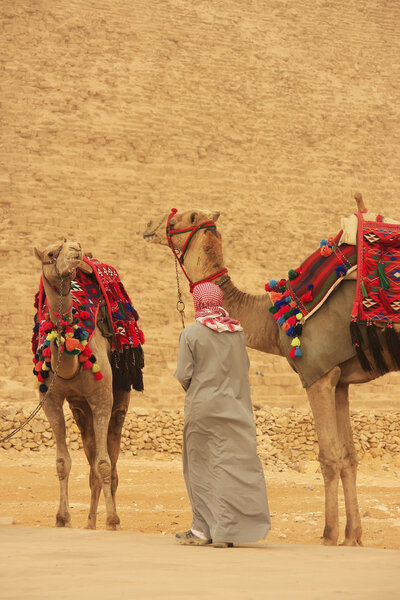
{"points": [[206, 225]]}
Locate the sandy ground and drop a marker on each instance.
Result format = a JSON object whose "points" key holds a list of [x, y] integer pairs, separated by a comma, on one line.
{"points": [[152, 498], [63, 564]]}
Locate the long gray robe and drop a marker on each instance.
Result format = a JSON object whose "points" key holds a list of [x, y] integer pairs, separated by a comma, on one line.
{"points": [[223, 474]]}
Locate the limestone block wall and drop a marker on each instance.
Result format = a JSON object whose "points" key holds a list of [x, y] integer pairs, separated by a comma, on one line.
{"points": [[285, 436]]}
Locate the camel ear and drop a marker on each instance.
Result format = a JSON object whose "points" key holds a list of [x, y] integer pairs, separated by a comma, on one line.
{"points": [[83, 266], [39, 254], [215, 216]]}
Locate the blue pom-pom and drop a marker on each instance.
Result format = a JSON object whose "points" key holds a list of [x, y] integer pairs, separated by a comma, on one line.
{"points": [[323, 242], [291, 331], [36, 357], [340, 271], [298, 352], [310, 286], [288, 300], [281, 320], [273, 283], [43, 388], [84, 334], [280, 303], [295, 310], [46, 343]]}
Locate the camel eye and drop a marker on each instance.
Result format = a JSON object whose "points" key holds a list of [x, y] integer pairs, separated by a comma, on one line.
{"points": [[192, 217], [51, 254]]}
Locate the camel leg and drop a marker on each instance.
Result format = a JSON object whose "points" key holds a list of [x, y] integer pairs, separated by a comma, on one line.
{"points": [[322, 400], [348, 473], [120, 408], [83, 418], [101, 407], [53, 408]]}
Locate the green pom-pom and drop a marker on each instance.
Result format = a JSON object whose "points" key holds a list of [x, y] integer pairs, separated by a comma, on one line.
{"points": [[273, 309], [292, 274], [282, 288]]}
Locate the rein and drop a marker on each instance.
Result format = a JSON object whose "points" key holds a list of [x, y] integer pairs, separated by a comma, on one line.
{"points": [[206, 225], [55, 373]]}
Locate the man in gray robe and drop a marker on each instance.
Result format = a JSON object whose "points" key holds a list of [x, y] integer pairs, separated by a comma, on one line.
{"points": [[223, 474]]}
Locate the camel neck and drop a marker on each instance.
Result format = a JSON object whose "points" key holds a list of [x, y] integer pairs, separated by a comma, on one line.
{"points": [[252, 312], [60, 306]]}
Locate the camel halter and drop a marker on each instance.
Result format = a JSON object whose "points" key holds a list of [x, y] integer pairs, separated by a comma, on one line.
{"points": [[206, 225]]}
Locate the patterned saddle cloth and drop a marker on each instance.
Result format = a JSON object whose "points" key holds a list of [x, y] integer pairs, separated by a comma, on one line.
{"points": [[102, 291]]}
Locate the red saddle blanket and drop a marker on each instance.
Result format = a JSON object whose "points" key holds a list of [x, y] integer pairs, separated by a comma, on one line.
{"points": [[378, 278], [120, 326]]}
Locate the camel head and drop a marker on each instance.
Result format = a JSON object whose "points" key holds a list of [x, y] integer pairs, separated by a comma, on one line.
{"points": [[60, 259], [156, 230]]}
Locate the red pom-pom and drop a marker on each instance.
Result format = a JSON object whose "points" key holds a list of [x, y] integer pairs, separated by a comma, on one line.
{"points": [[267, 288], [306, 297], [292, 352], [84, 315], [292, 320], [46, 352], [87, 352], [98, 376], [38, 366], [69, 329], [40, 377], [282, 282], [87, 365]]}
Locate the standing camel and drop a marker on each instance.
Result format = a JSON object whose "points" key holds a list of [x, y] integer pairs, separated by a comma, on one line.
{"points": [[322, 339], [98, 406]]}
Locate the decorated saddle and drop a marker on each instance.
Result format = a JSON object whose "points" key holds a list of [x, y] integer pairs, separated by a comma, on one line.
{"points": [[96, 298], [377, 260]]}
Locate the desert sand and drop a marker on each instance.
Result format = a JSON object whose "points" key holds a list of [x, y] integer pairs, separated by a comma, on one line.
{"points": [[273, 113]]}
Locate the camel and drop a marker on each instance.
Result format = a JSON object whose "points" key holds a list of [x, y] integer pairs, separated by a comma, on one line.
{"points": [[328, 396], [98, 407]]}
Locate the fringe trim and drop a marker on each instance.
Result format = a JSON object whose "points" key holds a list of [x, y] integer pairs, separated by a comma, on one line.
{"points": [[393, 344], [357, 341], [127, 368], [376, 349]]}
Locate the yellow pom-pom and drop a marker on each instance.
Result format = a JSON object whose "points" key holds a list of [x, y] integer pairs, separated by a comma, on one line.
{"points": [[44, 368], [95, 368], [75, 326], [84, 342], [62, 340], [295, 341], [51, 336], [299, 316]]}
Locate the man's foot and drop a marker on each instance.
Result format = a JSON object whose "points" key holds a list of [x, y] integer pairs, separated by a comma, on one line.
{"points": [[222, 545], [188, 538]]}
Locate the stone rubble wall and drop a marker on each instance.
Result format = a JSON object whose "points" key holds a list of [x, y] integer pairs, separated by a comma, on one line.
{"points": [[285, 437]]}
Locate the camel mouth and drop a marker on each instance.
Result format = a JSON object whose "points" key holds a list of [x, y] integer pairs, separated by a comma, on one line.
{"points": [[149, 236]]}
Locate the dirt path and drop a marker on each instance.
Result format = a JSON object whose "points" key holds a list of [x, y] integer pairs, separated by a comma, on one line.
{"points": [[152, 498], [41, 564]]}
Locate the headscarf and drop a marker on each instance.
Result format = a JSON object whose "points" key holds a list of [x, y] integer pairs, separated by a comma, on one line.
{"points": [[207, 299]]}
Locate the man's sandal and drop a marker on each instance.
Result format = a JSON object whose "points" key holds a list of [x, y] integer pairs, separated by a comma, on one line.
{"points": [[188, 538]]}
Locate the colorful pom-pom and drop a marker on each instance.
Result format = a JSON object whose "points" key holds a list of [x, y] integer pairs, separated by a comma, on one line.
{"points": [[281, 320], [98, 376], [292, 352], [273, 309], [341, 271], [295, 341], [272, 284], [298, 352], [43, 388], [95, 368], [292, 274], [87, 364], [299, 316], [326, 251], [323, 242]]}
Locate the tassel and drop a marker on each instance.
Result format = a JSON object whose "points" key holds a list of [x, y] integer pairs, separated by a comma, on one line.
{"points": [[298, 352], [43, 388], [98, 376], [376, 348], [87, 365], [356, 340], [363, 289], [393, 343], [385, 283], [292, 352]]}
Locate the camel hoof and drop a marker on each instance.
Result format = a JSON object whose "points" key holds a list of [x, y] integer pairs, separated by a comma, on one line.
{"points": [[327, 542], [351, 542], [90, 525], [63, 521]]}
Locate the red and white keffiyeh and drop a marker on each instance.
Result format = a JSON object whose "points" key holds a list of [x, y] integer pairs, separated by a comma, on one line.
{"points": [[208, 298]]}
